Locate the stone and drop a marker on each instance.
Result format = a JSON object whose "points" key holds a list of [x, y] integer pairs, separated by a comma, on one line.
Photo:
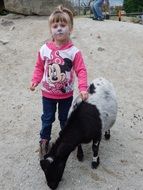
{"points": [[4, 41], [34, 7], [6, 22]]}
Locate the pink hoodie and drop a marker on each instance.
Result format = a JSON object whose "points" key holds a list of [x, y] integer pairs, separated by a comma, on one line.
{"points": [[55, 68]]}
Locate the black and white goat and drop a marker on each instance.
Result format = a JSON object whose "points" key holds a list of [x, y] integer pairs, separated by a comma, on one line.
{"points": [[87, 121]]}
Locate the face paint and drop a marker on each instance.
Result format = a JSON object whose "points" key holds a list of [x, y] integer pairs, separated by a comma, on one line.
{"points": [[59, 28]]}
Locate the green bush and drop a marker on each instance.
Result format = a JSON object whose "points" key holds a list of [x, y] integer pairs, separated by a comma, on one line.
{"points": [[133, 5]]}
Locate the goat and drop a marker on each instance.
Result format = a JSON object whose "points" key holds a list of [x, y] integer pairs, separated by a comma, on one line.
{"points": [[87, 121]]}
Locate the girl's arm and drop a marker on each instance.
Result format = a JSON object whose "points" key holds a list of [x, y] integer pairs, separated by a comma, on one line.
{"points": [[38, 72], [81, 73]]}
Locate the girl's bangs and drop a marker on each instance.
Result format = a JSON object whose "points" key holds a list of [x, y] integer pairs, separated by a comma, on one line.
{"points": [[59, 17]]}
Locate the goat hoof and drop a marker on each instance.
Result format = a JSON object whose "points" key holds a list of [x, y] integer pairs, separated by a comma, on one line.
{"points": [[94, 164], [107, 135], [80, 158]]}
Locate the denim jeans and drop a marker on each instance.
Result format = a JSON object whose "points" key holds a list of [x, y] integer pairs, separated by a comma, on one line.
{"points": [[93, 10], [98, 8], [48, 116]]}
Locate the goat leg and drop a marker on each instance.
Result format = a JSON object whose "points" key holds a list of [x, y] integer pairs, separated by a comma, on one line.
{"points": [[80, 153], [95, 160]]}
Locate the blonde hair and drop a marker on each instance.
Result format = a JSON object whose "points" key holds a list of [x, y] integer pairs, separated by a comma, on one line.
{"points": [[62, 14]]}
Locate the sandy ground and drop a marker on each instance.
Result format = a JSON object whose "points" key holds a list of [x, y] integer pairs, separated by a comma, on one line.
{"points": [[111, 49]]}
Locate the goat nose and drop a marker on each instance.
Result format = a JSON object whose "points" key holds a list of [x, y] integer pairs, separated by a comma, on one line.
{"points": [[53, 186]]}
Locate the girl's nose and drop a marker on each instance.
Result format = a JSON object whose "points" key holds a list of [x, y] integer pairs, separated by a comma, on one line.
{"points": [[59, 29]]}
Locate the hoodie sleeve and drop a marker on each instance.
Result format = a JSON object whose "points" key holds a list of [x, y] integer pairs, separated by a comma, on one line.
{"points": [[38, 70], [80, 70]]}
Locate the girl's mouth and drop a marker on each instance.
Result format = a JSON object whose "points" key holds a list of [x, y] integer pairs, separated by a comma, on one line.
{"points": [[59, 33]]}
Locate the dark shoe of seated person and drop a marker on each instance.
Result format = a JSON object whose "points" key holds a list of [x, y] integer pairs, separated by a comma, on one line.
{"points": [[101, 19], [95, 18]]}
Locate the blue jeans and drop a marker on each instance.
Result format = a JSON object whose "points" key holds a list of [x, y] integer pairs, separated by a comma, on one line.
{"points": [[93, 10], [48, 116], [98, 8]]}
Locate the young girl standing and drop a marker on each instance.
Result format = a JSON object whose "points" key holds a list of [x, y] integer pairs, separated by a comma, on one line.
{"points": [[55, 66]]}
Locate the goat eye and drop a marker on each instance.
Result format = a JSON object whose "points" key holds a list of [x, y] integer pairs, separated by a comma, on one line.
{"points": [[50, 159]]}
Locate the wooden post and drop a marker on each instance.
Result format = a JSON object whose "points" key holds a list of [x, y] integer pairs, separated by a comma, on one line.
{"points": [[119, 15]]}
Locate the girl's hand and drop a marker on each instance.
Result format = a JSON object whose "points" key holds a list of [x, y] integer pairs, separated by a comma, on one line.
{"points": [[33, 85], [84, 95]]}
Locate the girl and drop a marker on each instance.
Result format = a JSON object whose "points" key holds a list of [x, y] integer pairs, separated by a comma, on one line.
{"points": [[56, 63]]}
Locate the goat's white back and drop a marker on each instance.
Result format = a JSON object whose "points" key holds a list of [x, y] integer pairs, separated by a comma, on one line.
{"points": [[104, 98]]}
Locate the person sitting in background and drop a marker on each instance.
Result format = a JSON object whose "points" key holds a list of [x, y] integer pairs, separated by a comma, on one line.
{"points": [[91, 4], [96, 7]]}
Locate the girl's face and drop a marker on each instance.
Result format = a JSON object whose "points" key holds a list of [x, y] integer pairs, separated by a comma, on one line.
{"points": [[60, 32]]}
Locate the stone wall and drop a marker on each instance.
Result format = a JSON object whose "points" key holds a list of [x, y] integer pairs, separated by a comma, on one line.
{"points": [[34, 7]]}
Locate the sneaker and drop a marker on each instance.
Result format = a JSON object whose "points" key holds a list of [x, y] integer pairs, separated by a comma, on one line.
{"points": [[44, 144], [95, 18], [100, 18]]}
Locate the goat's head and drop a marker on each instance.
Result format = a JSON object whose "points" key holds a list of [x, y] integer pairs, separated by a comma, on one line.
{"points": [[53, 169]]}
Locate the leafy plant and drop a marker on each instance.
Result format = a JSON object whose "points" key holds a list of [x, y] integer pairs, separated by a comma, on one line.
{"points": [[133, 5]]}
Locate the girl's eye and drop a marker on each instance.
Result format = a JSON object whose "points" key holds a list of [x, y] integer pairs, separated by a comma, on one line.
{"points": [[55, 26], [63, 25]]}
